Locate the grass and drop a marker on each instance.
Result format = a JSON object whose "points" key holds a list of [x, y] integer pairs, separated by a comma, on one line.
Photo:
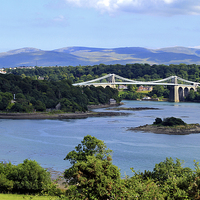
{"points": [[26, 197], [186, 126], [143, 92]]}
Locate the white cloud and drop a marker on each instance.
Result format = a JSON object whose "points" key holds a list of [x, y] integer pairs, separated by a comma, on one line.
{"points": [[152, 7]]}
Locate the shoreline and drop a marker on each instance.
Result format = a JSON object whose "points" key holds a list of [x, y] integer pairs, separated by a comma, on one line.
{"points": [[76, 115], [178, 130], [59, 116]]}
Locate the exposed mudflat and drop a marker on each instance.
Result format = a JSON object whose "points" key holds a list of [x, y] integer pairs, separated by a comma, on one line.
{"points": [[177, 130], [58, 116], [133, 109]]}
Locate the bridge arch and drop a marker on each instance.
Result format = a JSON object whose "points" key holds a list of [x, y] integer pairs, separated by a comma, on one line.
{"points": [[186, 91], [181, 93]]}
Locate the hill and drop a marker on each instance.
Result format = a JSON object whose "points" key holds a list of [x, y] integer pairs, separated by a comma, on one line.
{"points": [[74, 56]]}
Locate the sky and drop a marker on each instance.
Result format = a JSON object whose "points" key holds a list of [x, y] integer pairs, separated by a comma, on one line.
{"points": [[54, 24]]}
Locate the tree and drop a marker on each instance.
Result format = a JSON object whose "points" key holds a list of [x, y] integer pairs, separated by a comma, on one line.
{"points": [[158, 121], [172, 121], [92, 175], [158, 90], [89, 146], [191, 96], [40, 106], [26, 177], [97, 179], [132, 88]]}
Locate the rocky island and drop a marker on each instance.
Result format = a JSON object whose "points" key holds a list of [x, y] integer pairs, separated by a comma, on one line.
{"points": [[170, 126]]}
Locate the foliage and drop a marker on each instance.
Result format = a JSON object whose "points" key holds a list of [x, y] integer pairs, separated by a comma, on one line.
{"points": [[142, 188], [193, 96], [97, 179], [142, 72], [36, 95], [88, 147], [175, 181], [132, 71], [169, 121], [92, 172], [132, 95], [159, 91], [158, 121], [27, 177]]}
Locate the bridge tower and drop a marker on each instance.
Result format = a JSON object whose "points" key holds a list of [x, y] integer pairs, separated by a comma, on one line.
{"points": [[111, 80], [174, 95]]}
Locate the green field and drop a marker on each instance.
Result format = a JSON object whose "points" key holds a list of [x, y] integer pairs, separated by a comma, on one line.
{"points": [[26, 197]]}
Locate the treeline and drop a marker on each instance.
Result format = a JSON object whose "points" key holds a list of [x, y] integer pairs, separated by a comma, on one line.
{"points": [[137, 71], [19, 94]]}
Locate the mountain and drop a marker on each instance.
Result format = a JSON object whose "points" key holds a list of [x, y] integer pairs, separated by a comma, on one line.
{"points": [[73, 56]]}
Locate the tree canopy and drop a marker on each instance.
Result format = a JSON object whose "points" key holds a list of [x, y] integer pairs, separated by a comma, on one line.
{"points": [[38, 95]]}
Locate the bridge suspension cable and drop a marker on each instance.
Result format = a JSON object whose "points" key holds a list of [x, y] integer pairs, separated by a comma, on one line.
{"points": [[129, 81]]}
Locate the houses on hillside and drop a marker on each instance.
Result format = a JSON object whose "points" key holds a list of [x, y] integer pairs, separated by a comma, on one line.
{"points": [[145, 88], [2, 71]]}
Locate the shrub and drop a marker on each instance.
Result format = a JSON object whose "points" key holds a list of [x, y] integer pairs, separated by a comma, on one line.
{"points": [[173, 121], [158, 121], [5, 184], [169, 121], [29, 177]]}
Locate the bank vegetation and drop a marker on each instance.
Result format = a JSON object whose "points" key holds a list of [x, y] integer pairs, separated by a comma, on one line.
{"points": [[92, 175]]}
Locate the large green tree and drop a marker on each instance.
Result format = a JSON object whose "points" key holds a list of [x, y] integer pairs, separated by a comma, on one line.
{"points": [[92, 175], [90, 146]]}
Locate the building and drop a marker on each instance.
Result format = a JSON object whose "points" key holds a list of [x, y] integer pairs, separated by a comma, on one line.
{"points": [[112, 101], [122, 87], [2, 71], [145, 88], [41, 78]]}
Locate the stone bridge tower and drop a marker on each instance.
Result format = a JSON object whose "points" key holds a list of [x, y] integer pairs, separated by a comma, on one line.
{"points": [[179, 92]]}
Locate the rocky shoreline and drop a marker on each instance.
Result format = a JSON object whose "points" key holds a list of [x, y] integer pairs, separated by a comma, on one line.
{"points": [[177, 130]]}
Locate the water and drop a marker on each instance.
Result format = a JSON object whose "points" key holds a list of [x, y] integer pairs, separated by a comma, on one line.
{"points": [[49, 141]]}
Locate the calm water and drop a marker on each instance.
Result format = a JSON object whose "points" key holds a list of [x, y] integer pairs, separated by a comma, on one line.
{"points": [[49, 141]]}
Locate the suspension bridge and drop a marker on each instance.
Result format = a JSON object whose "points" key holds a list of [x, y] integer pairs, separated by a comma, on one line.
{"points": [[179, 89]]}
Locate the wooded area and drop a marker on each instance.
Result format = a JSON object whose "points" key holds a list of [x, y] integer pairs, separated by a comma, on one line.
{"points": [[33, 94], [30, 95], [135, 71]]}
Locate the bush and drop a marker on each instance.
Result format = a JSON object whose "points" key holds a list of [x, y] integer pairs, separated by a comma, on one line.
{"points": [[172, 121], [158, 121], [169, 121], [27, 177], [5, 184]]}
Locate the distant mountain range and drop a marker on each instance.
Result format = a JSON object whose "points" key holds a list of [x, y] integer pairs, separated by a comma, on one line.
{"points": [[73, 56]]}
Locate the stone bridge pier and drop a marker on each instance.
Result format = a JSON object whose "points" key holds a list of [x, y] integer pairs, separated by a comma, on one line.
{"points": [[179, 92]]}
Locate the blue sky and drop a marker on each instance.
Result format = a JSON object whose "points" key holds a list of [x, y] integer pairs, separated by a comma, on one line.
{"points": [[53, 24]]}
